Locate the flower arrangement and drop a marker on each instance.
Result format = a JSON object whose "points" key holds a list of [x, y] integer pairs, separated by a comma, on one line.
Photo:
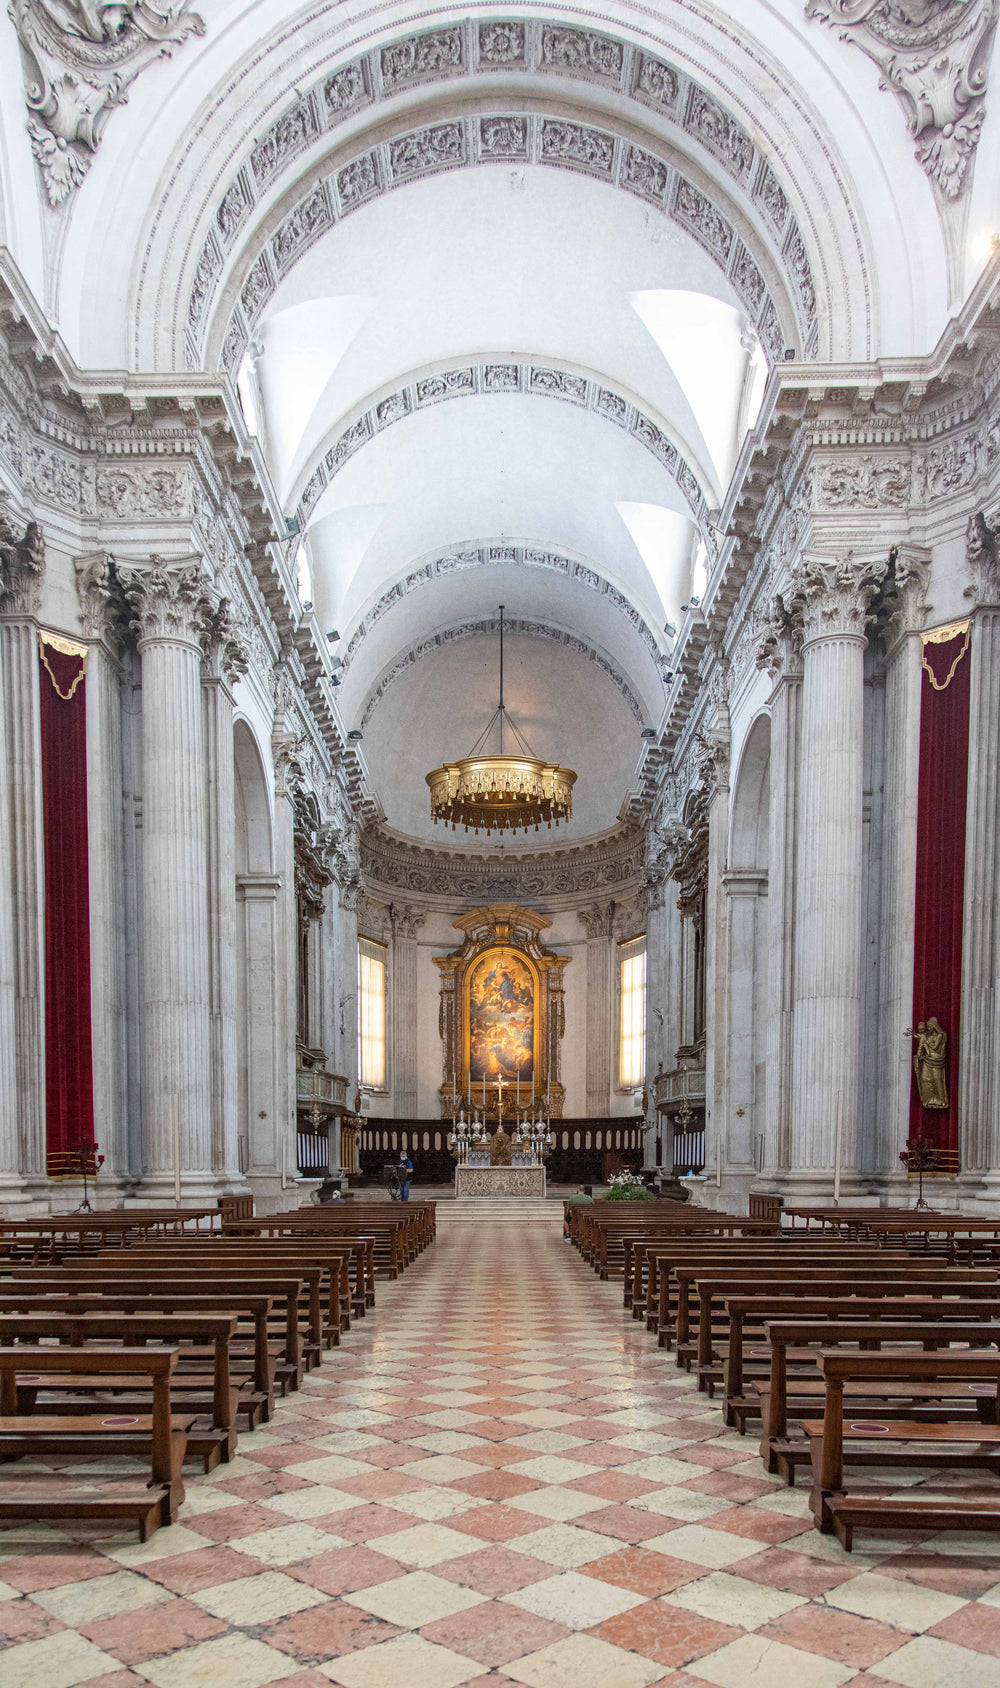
{"points": [[627, 1187]]}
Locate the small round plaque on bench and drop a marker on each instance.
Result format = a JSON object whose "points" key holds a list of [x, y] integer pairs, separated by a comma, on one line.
{"points": [[871, 1429], [116, 1423]]}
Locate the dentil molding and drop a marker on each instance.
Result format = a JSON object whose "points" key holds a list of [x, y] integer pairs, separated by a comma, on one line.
{"points": [[934, 55], [612, 864], [80, 58]]}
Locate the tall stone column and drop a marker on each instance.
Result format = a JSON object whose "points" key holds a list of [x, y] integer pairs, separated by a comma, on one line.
{"points": [[227, 659], [715, 777], [21, 568], [406, 922], [780, 653], [662, 983], [832, 597], [597, 922], [979, 1048], [899, 861], [263, 1056], [173, 603], [287, 773], [102, 611]]}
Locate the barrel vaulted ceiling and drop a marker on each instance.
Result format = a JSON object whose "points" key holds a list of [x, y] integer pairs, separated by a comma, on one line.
{"points": [[499, 293]]}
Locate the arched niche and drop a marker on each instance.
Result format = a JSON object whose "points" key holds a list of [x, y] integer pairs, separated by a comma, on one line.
{"points": [[253, 808], [748, 826]]}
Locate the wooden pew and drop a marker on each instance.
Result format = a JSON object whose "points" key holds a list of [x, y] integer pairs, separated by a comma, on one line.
{"points": [[788, 1400], [748, 1365], [250, 1360], [969, 1446], [110, 1275], [36, 1495], [734, 1252], [214, 1396], [709, 1291]]}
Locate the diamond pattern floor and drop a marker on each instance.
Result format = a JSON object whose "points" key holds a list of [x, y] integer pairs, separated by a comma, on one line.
{"points": [[498, 1479]]}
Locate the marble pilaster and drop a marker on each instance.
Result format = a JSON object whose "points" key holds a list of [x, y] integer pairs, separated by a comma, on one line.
{"points": [[832, 597], [781, 655], [19, 601], [406, 922], [598, 923], [901, 758], [227, 660], [979, 1048]]}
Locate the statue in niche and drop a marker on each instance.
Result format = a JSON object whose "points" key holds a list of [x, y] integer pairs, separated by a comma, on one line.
{"points": [[928, 1063], [501, 1147]]}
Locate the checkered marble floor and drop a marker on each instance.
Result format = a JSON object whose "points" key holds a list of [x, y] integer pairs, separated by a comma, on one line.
{"points": [[498, 1479]]}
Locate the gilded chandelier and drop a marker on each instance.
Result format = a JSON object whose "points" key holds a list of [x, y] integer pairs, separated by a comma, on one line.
{"points": [[501, 791]]}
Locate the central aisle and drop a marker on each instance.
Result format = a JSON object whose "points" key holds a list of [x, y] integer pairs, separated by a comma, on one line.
{"points": [[498, 1478]]}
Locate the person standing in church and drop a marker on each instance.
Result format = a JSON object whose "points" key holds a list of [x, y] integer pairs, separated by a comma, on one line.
{"points": [[407, 1167]]}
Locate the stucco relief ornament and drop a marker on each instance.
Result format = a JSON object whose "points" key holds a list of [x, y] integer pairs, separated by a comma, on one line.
{"points": [[22, 566], [80, 57], [934, 55]]}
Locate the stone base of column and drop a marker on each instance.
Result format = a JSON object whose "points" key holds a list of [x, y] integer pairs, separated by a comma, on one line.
{"points": [[975, 1193], [22, 1197], [198, 1189], [269, 1197], [813, 1187]]}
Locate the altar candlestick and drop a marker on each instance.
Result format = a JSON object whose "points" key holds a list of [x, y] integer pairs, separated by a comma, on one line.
{"points": [[517, 1099], [470, 1083]]}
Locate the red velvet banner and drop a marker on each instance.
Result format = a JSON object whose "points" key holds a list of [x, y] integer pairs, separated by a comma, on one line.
{"points": [[69, 1078], [938, 911]]}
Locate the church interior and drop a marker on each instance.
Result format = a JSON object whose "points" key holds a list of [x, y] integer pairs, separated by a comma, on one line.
{"points": [[499, 844]]}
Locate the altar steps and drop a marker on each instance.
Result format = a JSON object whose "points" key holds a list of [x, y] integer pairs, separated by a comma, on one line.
{"points": [[505, 1208]]}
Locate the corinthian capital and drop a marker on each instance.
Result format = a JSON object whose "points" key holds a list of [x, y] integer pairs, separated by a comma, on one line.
{"points": [[598, 920], [22, 567], [406, 921], [911, 573], [831, 596], [779, 647], [170, 600], [227, 643], [982, 552]]}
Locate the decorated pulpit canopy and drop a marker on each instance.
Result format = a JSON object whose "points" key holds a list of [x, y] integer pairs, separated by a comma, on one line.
{"points": [[502, 1017]]}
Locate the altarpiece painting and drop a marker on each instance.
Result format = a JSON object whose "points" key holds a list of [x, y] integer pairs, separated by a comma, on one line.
{"points": [[502, 1015]]}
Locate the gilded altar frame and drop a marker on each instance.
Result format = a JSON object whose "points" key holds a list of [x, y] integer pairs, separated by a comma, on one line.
{"points": [[503, 927]]}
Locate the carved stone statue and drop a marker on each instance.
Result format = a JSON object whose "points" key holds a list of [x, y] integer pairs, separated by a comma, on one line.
{"points": [[928, 1063], [501, 1147]]}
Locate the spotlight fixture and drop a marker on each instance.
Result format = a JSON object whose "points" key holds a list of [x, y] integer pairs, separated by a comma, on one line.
{"points": [[333, 636], [648, 733], [307, 606], [355, 736], [789, 354]]}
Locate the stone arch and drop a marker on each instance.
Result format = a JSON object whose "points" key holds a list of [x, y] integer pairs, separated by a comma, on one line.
{"points": [[748, 822]]}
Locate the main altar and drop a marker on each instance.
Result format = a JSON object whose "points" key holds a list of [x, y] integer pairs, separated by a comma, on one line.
{"points": [[501, 1020]]}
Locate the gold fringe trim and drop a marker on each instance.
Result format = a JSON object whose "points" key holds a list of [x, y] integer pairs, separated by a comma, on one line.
{"points": [[65, 647], [941, 636]]}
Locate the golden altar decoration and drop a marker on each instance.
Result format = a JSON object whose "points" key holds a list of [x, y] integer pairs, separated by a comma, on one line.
{"points": [[502, 1017]]}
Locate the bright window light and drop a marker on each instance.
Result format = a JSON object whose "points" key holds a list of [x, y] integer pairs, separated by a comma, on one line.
{"points": [[632, 1037], [371, 1015]]}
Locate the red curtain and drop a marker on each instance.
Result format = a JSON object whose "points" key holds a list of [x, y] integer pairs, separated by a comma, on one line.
{"points": [[69, 1079], [938, 913]]}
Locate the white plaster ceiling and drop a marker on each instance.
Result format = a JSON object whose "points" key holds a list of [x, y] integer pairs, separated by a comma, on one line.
{"points": [[503, 262], [505, 465], [565, 706]]}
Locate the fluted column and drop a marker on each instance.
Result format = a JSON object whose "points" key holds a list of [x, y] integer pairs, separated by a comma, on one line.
{"points": [[832, 599], [406, 923], [12, 1185], [597, 922], [899, 863], [715, 776], [227, 660], [22, 568], [979, 1047], [780, 654], [172, 603], [101, 607], [287, 773]]}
